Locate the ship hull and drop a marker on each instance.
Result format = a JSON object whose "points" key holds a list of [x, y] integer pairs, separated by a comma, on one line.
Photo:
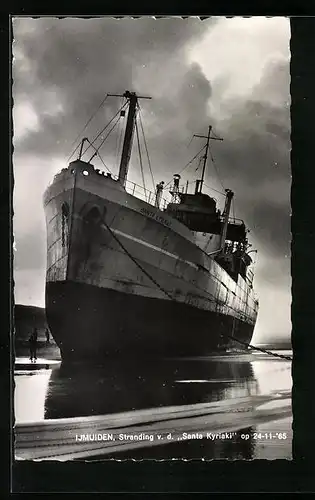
{"points": [[94, 324], [126, 279]]}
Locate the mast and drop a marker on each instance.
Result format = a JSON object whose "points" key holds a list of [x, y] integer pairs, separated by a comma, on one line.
{"points": [[205, 159], [200, 182], [130, 126], [226, 213], [129, 131]]}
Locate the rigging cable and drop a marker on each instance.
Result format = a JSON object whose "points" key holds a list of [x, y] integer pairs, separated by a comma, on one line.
{"points": [[103, 130], [146, 149], [117, 143], [187, 164], [216, 190], [119, 146], [97, 149], [74, 152], [190, 141], [215, 167], [140, 159], [86, 125], [265, 351], [135, 261], [201, 157], [98, 154]]}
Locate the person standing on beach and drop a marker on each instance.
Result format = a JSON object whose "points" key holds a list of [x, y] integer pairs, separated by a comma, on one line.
{"points": [[47, 336], [33, 345]]}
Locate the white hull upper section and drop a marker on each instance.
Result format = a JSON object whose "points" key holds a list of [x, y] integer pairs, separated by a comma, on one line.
{"points": [[175, 257]]}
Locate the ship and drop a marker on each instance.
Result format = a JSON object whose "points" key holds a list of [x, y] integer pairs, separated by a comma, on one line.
{"points": [[138, 275]]}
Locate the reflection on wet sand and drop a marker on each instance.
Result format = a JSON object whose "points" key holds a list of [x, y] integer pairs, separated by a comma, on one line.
{"points": [[74, 391], [219, 394]]}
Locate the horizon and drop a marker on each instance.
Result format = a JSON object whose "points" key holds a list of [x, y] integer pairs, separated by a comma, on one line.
{"points": [[267, 342]]}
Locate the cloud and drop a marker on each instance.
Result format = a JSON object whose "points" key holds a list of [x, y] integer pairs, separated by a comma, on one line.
{"points": [[32, 176], [235, 52], [25, 119], [79, 61], [249, 105], [274, 320]]}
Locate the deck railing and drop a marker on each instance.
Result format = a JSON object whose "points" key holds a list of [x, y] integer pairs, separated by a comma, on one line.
{"points": [[141, 193], [145, 194]]}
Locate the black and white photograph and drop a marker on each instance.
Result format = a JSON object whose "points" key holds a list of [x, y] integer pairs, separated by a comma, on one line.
{"points": [[152, 279]]}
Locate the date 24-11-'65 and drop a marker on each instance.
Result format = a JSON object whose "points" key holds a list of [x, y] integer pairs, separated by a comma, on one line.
{"points": [[265, 435]]}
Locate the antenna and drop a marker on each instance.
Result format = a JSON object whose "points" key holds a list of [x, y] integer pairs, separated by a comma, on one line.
{"points": [[200, 182]]}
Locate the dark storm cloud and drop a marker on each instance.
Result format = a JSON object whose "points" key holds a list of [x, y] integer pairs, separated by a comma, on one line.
{"points": [[271, 224], [254, 158], [79, 61]]}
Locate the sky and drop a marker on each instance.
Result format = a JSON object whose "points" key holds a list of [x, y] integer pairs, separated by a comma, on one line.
{"points": [[232, 73]]}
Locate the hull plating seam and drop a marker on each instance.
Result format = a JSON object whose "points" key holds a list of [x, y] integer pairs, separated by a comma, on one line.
{"points": [[153, 247], [176, 257], [210, 297]]}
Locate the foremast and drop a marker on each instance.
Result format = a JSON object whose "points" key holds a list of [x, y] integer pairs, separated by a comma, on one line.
{"points": [[129, 133]]}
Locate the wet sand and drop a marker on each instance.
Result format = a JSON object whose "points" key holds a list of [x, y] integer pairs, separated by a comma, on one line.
{"points": [[165, 411]]}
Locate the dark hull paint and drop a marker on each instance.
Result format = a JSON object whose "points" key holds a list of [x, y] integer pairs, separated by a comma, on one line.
{"points": [[90, 323]]}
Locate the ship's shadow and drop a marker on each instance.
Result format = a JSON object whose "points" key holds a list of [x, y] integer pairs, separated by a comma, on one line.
{"points": [[78, 390]]}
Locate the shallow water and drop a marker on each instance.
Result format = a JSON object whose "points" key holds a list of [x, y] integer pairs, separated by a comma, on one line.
{"points": [[52, 391]]}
